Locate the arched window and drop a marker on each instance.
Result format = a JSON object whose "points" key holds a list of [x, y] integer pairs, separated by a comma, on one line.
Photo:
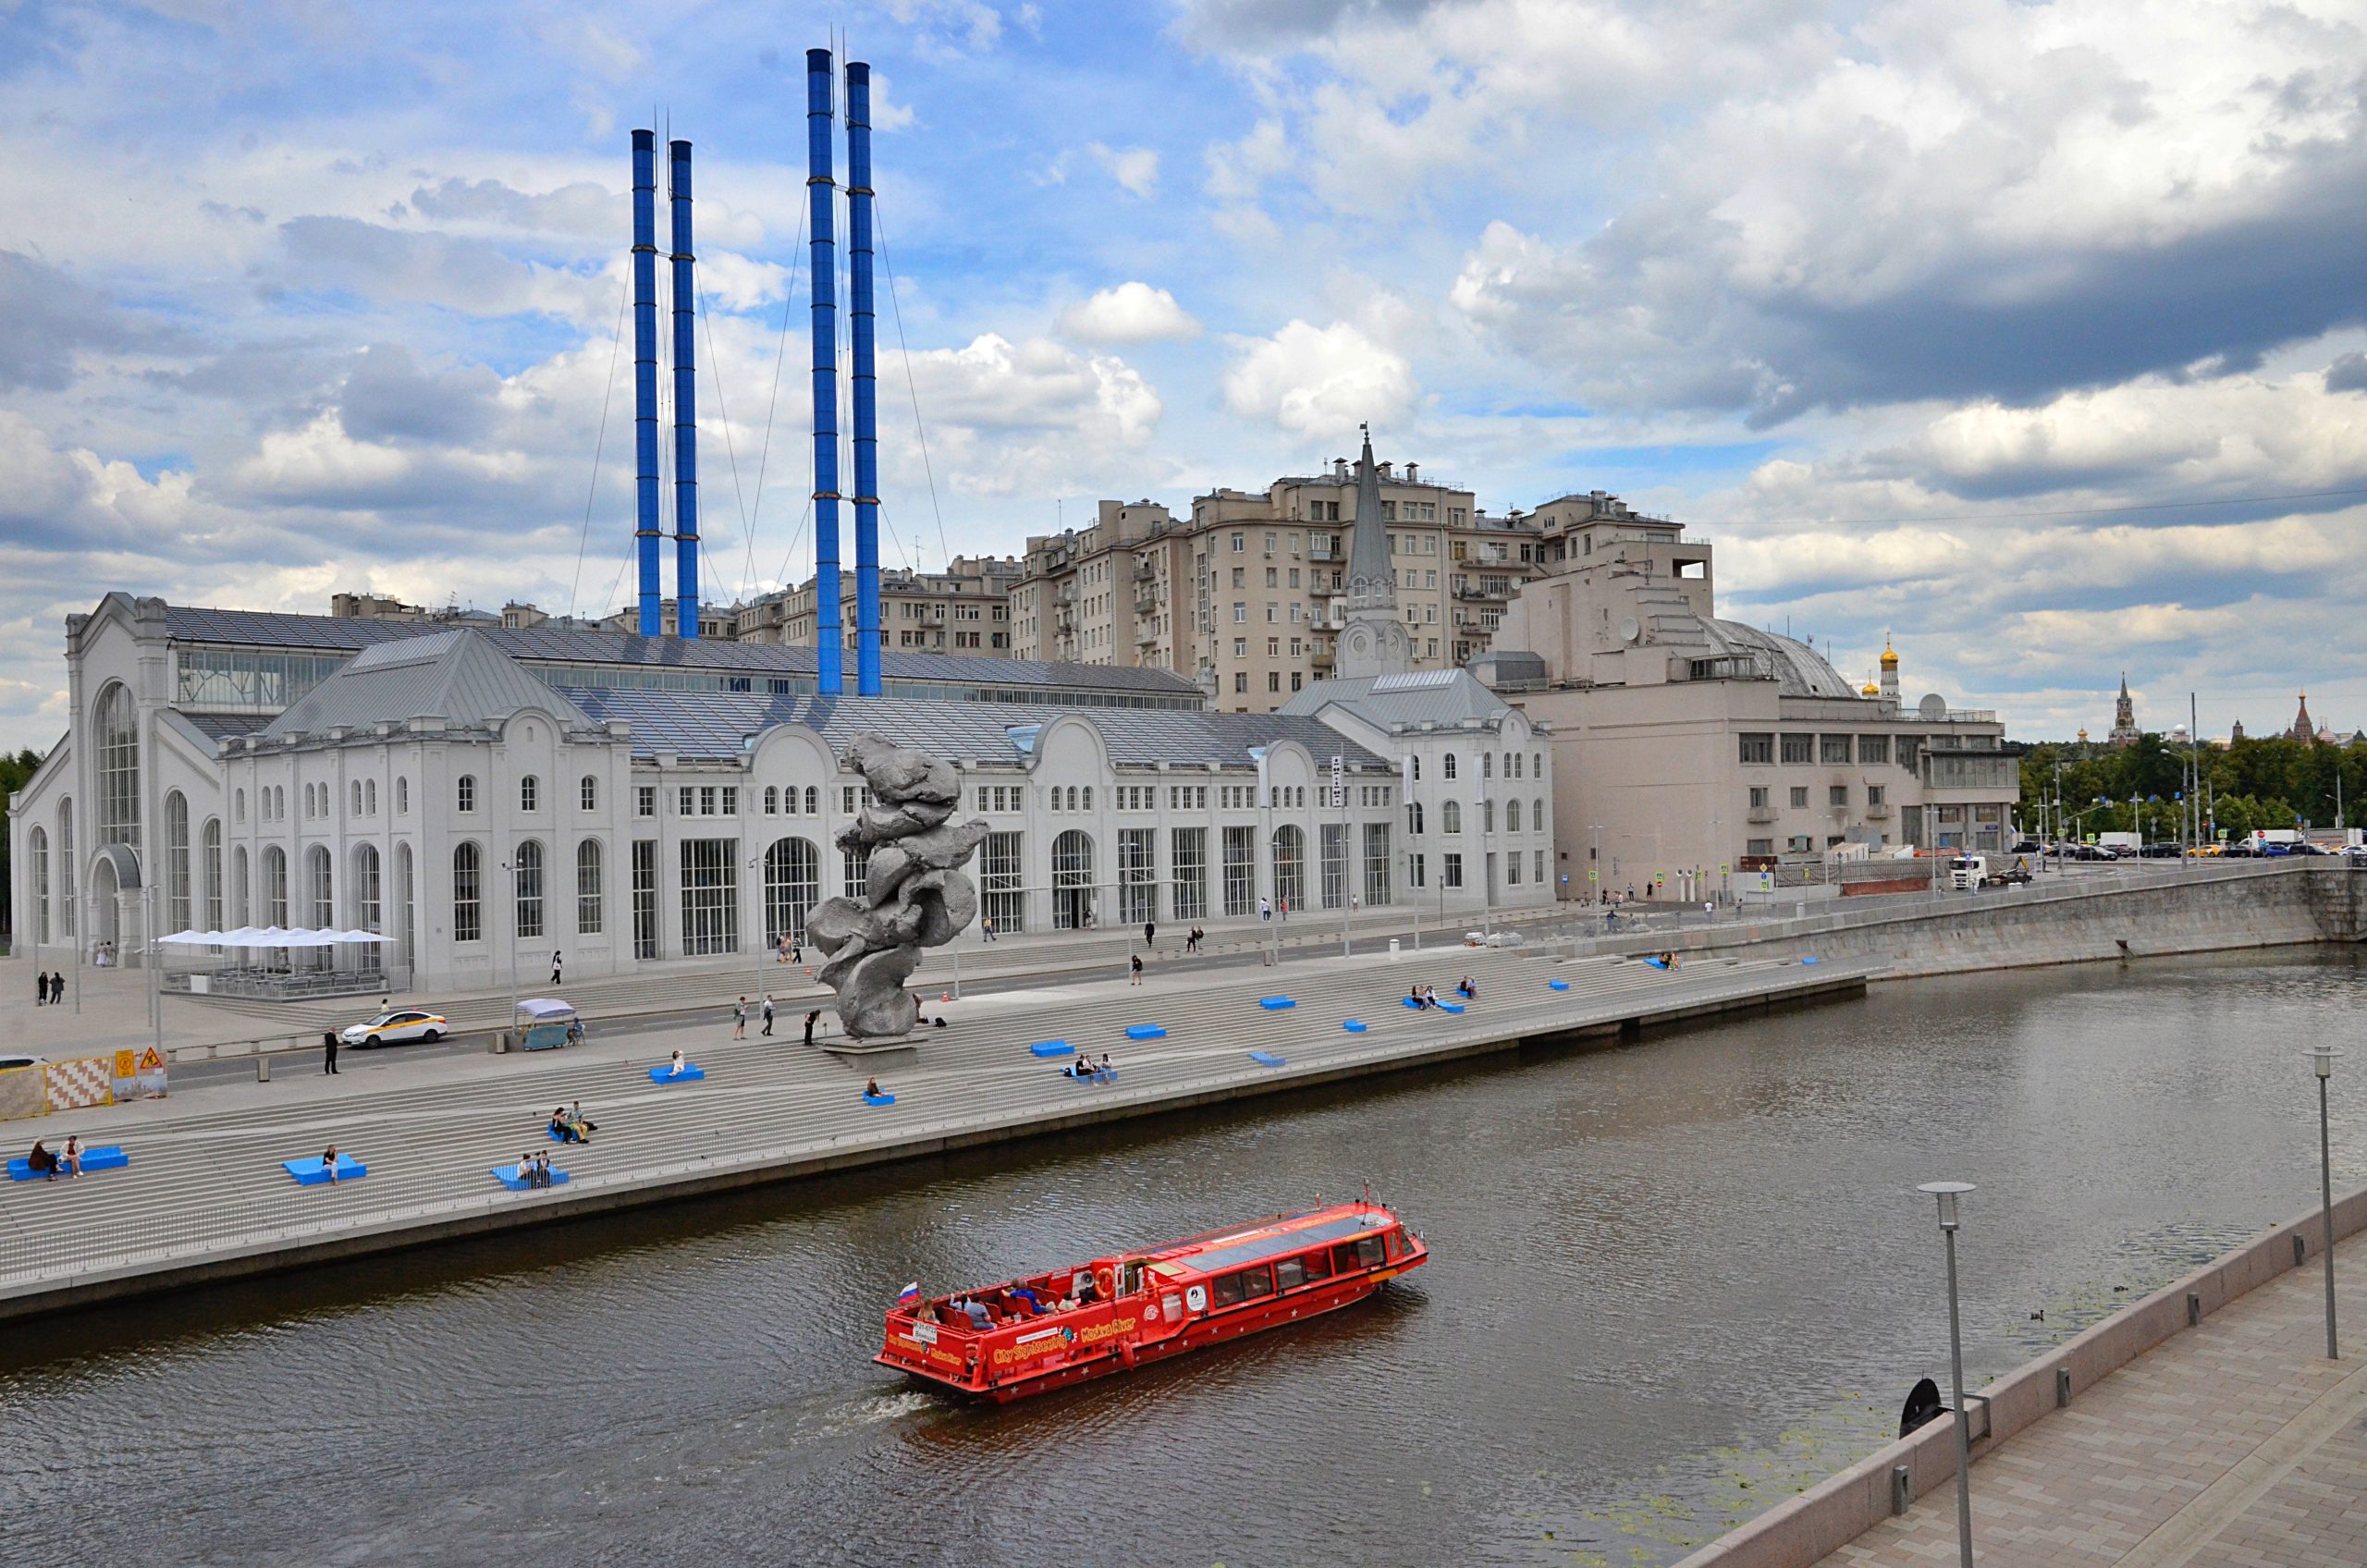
{"points": [[772, 799], [323, 896], [370, 798], [465, 793], [116, 727], [353, 795], [1446, 766], [241, 904], [1486, 816], [1414, 819], [211, 855], [1449, 817], [1512, 817], [792, 886], [1071, 880], [39, 843], [403, 906], [587, 793], [1536, 817], [812, 800], [468, 894], [530, 792], [66, 901], [591, 902], [176, 876], [237, 805], [402, 795], [1418, 769], [368, 909], [528, 888], [1289, 865], [275, 887], [1537, 764], [1089, 797]]}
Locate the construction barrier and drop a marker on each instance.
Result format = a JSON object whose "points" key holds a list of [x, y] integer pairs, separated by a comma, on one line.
{"points": [[81, 1084], [139, 1075], [21, 1093]]}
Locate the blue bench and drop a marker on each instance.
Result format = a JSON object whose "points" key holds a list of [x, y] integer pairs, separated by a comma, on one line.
{"points": [[1449, 1007], [507, 1176], [1656, 963], [1557, 984], [1353, 1027], [1145, 1032], [1050, 1047], [1265, 1058], [880, 1099], [311, 1172], [1412, 1004], [692, 1073], [1810, 961], [1275, 1004], [107, 1157]]}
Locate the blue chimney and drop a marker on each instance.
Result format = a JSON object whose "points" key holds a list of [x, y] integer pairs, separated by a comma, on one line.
{"points": [[864, 381], [686, 412], [645, 373], [829, 634]]}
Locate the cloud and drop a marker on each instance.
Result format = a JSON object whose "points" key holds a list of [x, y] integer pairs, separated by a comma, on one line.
{"points": [[581, 208], [473, 277], [1034, 414], [1132, 312], [2348, 374], [1134, 168], [51, 317], [1319, 380]]}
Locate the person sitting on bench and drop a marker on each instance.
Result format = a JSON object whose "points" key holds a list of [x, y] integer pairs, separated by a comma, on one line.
{"points": [[562, 1128], [328, 1161], [1414, 995], [1467, 990], [871, 1089], [42, 1163], [71, 1159]]}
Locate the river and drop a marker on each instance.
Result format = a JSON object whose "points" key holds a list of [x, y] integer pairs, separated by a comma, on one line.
{"points": [[1672, 1281]]}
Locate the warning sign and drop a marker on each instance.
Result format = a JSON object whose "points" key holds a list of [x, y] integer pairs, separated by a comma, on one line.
{"points": [[140, 1075]]}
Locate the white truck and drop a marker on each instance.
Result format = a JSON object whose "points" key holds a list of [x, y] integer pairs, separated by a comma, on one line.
{"points": [[2122, 844], [1967, 872]]}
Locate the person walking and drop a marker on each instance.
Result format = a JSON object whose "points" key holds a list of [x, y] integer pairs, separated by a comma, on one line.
{"points": [[740, 1019], [1135, 962], [1265, 908], [554, 964], [1709, 912], [329, 1051], [1286, 910], [767, 1011], [1150, 933], [58, 987], [41, 987], [811, 1019], [986, 928]]}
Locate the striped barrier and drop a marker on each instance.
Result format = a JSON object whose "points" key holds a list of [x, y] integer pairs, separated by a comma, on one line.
{"points": [[81, 1084]]}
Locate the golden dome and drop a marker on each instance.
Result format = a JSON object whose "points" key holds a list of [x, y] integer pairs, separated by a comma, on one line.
{"points": [[1890, 659], [1869, 690]]}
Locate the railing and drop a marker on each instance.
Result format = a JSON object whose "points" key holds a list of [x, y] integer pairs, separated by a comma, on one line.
{"points": [[278, 986]]}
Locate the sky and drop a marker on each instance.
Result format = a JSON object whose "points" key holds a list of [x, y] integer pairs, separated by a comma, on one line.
{"points": [[2030, 336]]}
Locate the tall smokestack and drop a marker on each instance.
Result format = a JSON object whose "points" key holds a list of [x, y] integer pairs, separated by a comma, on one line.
{"points": [[859, 322], [686, 409], [829, 634], [644, 375]]}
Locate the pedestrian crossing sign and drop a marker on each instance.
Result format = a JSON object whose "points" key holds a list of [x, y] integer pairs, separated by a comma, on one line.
{"points": [[126, 1063]]}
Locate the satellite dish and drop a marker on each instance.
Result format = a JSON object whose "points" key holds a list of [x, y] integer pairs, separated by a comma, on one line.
{"points": [[1629, 632], [1933, 708]]}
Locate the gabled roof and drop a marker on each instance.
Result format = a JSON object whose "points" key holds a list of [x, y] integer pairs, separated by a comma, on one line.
{"points": [[456, 676], [1390, 702]]}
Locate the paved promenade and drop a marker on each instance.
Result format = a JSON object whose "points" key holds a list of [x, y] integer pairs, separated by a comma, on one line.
{"points": [[2237, 1444], [206, 1195]]}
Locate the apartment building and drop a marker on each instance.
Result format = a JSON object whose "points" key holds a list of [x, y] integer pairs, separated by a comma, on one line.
{"points": [[1106, 594], [963, 610]]}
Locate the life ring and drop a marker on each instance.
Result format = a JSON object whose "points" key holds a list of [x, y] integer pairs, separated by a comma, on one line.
{"points": [[1107, 1280]]}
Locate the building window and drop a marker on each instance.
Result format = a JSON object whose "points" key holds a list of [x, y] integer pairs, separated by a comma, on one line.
{"points": [[854, 873], [402, 795], [1488, 817], [368, 896], [645, 896], [1451, 816], [465, 793], [591, 902], [176, 868], [118, 735], [1377, 863], [38, 841], [1190, 873], [1289, 866], [1873, 748], [644, 800], [243, 907], [1873, 794], [526, 891], [1451, 871], [370, 795], [1072, 880], [587, 793], [1839, 795], [1511, 869], [1799, 797], [792, 886], [1907, 747], [1832, 751], [1799, 748], [212, 855], [1138, 884], [1758, 847], [710, 891], [1758, 797], [1512, 817], [468, 894], [237, 805], [1446, 768], [354, 797], [1240, 870], [530, 793], [275, 885], [1334, 850], [1001, 882]]}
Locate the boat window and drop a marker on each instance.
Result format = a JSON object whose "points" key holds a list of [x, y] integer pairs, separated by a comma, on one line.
{"points": [[1225, 1289], [1344, 1258], [1368, 1252], [1133, 1277], [1289, 1274], [1257, 1281], [1317, 1263]]}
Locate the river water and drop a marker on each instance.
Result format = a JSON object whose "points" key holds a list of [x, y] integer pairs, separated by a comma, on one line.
{"points": [[1671, 1282]]}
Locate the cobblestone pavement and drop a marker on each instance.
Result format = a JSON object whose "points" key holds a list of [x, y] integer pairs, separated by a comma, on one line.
{"points": [[2237, 1444]]}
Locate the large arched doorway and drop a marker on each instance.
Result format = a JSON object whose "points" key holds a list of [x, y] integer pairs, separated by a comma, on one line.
{"points": [[792, 886], [1071, 880], [1289, 866]]}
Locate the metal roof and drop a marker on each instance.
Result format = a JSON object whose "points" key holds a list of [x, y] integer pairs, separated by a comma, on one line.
{"points": [[1799, 670], [1445, 697], [576, 645], [456, 676], [720, 725], [222, 726]]}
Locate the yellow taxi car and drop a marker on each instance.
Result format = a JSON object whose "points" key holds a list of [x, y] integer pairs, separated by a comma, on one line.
{"points": [[398, 1028]]}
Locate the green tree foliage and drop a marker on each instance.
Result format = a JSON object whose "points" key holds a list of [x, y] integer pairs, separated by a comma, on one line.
{"points": [[2265, 782]]}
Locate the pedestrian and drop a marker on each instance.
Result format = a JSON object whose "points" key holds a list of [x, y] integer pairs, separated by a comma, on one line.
{"points": [[739, 1019], [554, 959], [767, 1011], [1265, 908], [1150, 933], [58, 987], [811, 1019], [1135, 960], [41, 987], [796, 951], [329, 1051], [1709, 912], [1631, 892], [986, 926], [1286, 910]]}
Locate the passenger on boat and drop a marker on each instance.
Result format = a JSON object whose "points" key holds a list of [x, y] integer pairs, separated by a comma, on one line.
{"points": [[1035, 1307], [977, 1312]]}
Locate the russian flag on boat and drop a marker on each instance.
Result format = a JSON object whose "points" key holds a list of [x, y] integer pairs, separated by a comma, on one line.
{"points": [[909, 1294]]}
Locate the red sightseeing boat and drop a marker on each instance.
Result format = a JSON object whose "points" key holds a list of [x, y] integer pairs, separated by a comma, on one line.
{"points": [[1005, 1342]]}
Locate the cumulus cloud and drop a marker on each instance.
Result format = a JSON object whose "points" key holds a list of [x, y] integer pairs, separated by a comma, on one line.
{"points": [[50, 317], [1134, 168], [1132, 312], [1319, 380], [1015, 415], [581, 208], [473, 276]]}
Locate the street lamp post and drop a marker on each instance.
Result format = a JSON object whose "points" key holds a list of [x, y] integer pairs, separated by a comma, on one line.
{"points": [[2322, 1056], [1947, 1192]]}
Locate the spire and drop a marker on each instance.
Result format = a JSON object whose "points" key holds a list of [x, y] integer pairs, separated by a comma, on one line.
{"points": [[1371, 579]]}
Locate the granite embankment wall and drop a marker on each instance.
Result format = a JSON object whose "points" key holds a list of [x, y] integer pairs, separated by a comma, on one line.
{"points": [[2074, 919]]}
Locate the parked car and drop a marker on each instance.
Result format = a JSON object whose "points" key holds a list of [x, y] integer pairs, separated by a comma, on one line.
{"points": [[2161, 851], [2241, 849], [399, 1027], [21, 1060]]}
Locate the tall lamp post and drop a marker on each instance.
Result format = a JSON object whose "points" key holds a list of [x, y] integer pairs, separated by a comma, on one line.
{"points": [[2322, 1056], [1947, 1192]]}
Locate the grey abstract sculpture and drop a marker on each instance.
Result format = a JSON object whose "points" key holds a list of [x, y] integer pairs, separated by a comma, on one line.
{"points": [[914, 894]]}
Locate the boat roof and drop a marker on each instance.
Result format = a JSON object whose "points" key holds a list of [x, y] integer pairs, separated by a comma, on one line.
{"points": [[1229, 1250]]}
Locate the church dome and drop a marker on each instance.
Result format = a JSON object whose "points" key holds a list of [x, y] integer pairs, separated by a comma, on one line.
{"points": [[1890, 659], [1869, 690]]}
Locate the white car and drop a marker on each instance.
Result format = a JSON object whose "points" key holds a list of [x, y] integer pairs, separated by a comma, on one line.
{"points": [[395, 1028], [8, 1061]]}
